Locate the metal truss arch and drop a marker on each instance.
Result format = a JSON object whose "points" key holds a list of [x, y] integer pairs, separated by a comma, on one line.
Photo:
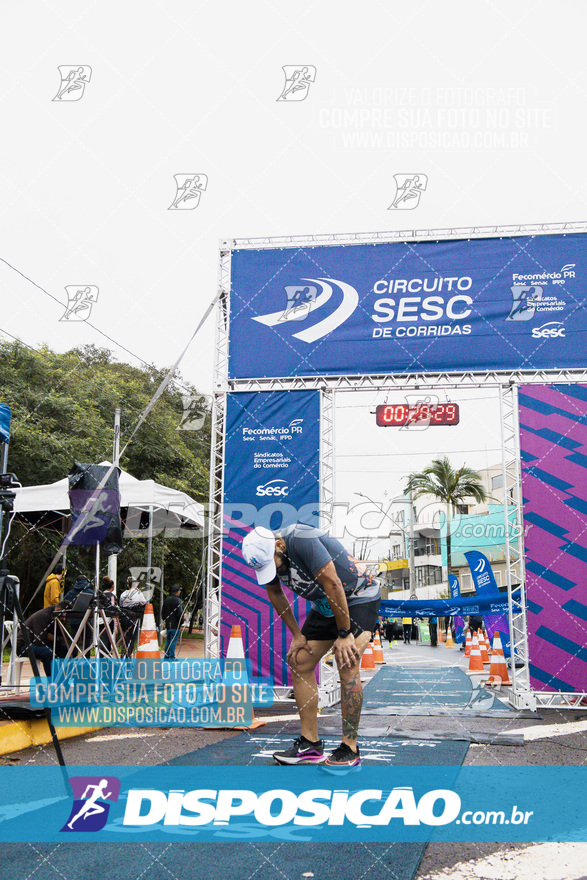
{"points": [[507, 383]]}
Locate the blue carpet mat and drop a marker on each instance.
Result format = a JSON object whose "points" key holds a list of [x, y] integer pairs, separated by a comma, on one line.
{"points": [[427, 688], [258, 748]]}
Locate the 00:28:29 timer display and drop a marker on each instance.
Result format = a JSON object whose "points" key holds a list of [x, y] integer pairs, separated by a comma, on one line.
{"points": [[397, 415]]}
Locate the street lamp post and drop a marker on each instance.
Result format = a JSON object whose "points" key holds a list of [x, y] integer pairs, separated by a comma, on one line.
{"points": [[411, 569]]}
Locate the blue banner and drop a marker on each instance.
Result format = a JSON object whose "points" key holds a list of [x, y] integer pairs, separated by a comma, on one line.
{"points": [[455, 593], [410, 307], [271, 479], [486, 585], [4, 423], [271, 475], [226, 804], [446, 607]]}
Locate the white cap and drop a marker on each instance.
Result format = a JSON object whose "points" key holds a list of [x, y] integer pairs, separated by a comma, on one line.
{"points": [[258, 552]]}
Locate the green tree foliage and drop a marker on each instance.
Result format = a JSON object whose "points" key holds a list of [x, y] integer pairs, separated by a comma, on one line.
{"points": [[63, 411], [448, 485]]}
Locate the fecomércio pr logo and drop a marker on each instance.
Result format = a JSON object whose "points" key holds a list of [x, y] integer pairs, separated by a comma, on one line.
{"points": [[532, 297], [91, 794]]}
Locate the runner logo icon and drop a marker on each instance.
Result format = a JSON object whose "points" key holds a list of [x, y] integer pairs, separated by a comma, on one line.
{"points": [[90, 808], [526, 297], [409, 191]]}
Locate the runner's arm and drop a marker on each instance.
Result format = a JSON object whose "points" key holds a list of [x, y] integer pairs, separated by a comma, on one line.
{"points": [[345, 650]]}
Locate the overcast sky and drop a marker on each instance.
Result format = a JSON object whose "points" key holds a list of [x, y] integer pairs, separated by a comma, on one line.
{"points": [[487, 99]]}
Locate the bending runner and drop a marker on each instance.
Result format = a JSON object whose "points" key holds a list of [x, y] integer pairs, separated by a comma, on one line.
{"points": [[344, 610]]}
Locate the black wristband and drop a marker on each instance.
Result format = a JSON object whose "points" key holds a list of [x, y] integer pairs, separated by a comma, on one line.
{"points": [[343, 633]]}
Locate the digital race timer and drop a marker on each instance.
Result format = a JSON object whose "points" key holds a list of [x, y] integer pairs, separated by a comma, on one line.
{"points": [[396, 415]]}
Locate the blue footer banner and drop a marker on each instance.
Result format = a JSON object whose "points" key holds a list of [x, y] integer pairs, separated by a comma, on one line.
{"points": [[310, 804]]}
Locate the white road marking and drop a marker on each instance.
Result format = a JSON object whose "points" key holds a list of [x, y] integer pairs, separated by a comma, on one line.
{"points": [[106, 737], [545, 731], [547, 861]]}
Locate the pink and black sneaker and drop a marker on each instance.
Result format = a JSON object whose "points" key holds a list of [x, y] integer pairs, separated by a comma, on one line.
{"points": [[343, 758], [302, 752]]}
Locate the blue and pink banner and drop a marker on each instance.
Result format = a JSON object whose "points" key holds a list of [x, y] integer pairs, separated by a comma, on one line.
{"points": [[553, 439], [271, 479]]}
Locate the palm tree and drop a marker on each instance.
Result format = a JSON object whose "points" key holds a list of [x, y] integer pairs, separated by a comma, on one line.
{"points": [[449, 486]]}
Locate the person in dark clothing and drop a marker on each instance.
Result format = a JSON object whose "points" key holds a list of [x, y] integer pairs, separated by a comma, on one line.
{"points": [[407, 625], [107, 599], [389, 631], [172, 614], [81, 585], [475, 623], [40, 631], [433, 627]]}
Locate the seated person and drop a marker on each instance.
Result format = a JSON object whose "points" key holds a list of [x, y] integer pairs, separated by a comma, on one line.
{"points": [[40, 628]]}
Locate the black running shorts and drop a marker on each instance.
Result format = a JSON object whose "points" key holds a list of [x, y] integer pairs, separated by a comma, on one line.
{"points": [[317, 628]]}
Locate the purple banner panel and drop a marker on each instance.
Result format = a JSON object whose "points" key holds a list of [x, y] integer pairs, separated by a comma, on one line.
{"points": [[245, 603], [553, 439]]}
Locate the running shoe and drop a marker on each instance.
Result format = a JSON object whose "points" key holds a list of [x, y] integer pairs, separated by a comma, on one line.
{"points": [[343, 757], [302, 752]]}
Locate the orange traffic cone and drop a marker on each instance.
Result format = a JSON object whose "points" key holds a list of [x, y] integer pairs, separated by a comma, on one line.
{"points": [[378, 650], [236, 651], [148, 648], [497, 645], [449, 641], [498, 671], [483, 649], [475, 661], [235, 643], [468, 641], [367, 660], [440, 638]]}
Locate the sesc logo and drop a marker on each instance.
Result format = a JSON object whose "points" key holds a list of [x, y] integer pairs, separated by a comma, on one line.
{"points": [[272, 488], [549, 331], [302, 299]]}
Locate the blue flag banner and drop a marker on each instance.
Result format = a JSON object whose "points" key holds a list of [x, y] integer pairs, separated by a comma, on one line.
{"points": [[4, 423], [228, 805], [446, 607], [95, 507], [486, 585], [455, 593]]}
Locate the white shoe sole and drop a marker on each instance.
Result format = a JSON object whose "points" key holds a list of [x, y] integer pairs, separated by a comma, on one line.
{"points": [[290, 761]]}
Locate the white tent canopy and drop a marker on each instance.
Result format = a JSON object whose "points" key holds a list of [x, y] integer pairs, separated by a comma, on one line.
{"points": [[138, 494]]}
